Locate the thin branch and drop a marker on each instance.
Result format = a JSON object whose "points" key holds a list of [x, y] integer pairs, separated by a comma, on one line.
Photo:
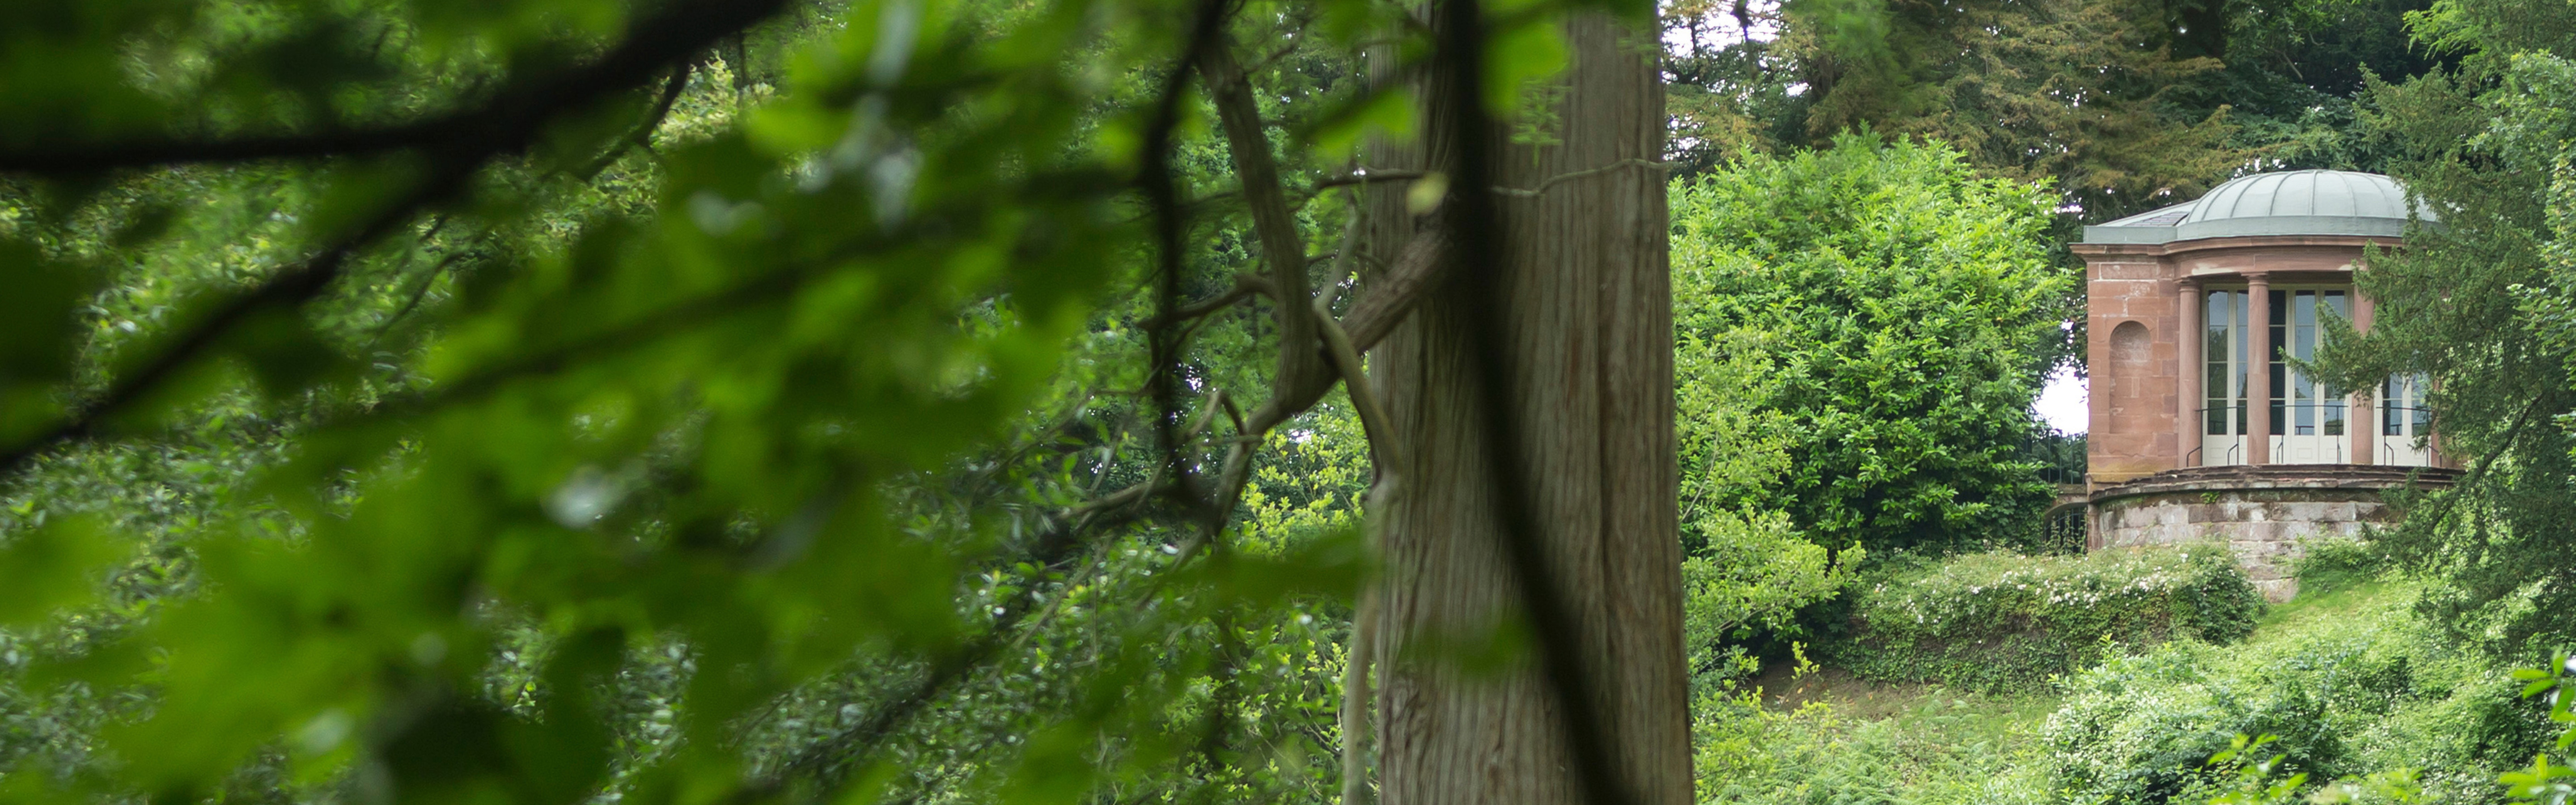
{"points": [[680, 317], [1155, 179], [1353, 242], [1364, 176], [1354, 721], [418, 293], [2512, 434], [289, 289], [1388, 449], [1274, 224], [830, 760], [1421, 264], [642, 135], [1562, 178], [1245, 285]]}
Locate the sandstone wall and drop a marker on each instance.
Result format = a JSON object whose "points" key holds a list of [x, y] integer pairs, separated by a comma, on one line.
{"points": [[2263, 526], [2262, 512]]}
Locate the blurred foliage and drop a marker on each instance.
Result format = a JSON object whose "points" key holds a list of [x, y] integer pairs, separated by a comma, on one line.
{"points": [[581, 400], [1862, 333]]}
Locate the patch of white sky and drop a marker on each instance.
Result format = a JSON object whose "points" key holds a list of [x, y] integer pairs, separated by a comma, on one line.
{"points": [[2062, 402]]}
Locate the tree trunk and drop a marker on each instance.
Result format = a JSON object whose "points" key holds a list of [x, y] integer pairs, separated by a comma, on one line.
{"points": [[1587, 321]]}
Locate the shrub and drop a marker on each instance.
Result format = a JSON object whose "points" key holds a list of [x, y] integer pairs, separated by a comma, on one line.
{"points": [[1749, 576], [2350, 690], [1995, 621], [1860, 332]]}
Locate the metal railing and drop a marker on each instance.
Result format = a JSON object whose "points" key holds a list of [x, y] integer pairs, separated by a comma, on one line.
{"points": [[2060, 456], [2418, 418], [2063, 530]]}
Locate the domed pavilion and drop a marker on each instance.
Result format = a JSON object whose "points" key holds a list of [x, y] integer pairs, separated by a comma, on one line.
{"points": [[2202, 427]]}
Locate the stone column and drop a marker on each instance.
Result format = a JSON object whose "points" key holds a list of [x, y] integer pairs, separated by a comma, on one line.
{"points": [[2258, 380], [2363, 420], [2187, 396]]}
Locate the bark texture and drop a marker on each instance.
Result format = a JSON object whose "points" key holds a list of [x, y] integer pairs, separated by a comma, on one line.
{"points": [[1587, 312]]}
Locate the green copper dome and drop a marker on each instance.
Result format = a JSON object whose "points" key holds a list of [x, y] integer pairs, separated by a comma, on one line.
{"points": [[2308, 202]]}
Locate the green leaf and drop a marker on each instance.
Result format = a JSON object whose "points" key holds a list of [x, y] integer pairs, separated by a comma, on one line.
{"points": [[57, 566]]}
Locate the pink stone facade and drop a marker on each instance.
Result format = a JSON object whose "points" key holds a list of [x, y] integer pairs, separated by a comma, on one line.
{"points": [[2146, 360]]}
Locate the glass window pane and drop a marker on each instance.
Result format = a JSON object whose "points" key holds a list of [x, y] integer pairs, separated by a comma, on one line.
{"points": [[2390, 424], [2278, 372], [2220, 387]]}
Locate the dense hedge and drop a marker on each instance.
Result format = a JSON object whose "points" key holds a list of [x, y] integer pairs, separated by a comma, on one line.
{"points": [[1995, 622]]}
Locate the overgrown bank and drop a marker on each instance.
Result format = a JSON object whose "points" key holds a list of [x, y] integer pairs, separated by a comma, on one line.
{"points": [[2166, 660]]}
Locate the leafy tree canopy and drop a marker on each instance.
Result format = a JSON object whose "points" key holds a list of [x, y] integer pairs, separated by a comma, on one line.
{"points": [[2479, 303], [1862, 332]]}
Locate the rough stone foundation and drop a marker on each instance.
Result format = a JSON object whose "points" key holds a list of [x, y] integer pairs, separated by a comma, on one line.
{"points": [[2262, 513]]}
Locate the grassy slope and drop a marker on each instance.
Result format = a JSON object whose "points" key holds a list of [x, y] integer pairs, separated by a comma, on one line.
{"points": [[1830, 737]]}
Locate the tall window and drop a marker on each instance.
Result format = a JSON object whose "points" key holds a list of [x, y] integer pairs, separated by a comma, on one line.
{"points": [[2401, 407], [2302, 405], [2308, 416], [2404, 421], [2223, 412]]}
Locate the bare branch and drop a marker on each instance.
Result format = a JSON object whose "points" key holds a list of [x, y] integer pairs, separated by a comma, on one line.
{"points": [[642, 136], [831, 760], [1245, 285], [1364, 176], [1418, 267], [1157, 182], [1388, 449], [1562, 178]]}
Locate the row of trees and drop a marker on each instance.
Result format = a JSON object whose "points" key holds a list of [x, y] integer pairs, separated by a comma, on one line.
{"points": [[2125, 105]]}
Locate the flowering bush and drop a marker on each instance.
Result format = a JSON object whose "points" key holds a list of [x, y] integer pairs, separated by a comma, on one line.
{"points": [[1999, 621]]}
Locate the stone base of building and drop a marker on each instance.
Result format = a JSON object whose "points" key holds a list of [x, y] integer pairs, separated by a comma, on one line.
{"points": [[2263, 513]]}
